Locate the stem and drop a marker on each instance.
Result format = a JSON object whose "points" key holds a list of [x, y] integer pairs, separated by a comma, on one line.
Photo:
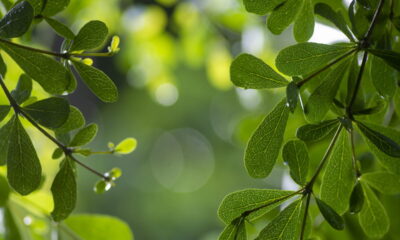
{"points": [[355, 166], [56, 54], [101, 54], [373, 22], [357, 86], [67, 151], [305, 80], [303, 226], [324, 158]]}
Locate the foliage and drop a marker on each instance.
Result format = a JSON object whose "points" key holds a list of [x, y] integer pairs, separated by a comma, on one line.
{"points": [[53, 117], [343, 85]]}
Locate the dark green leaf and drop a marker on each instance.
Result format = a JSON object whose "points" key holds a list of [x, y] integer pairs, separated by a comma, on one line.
{"points": [[261, 7], [99, 227], [316, 132], [338, 179], [63, 190], [357, 199], [384, 182], [37, 6], [382, 142], [283, 16], [60, 28], [386, 86], [7, 4], [3, 67], [5, 132], [396, 23], [295, 154], [17, 21], [51, 112], [391, 58], [304, 24], [265, 143], [324, 10], [4, 110], [334, 219], [84, 136], [285, 226], [98, 82], [11, 229], [248, 71], [321, 99], [75, 120], [58, 152], [23, 90], [24, 172], [304, 58], [292, 95], [373, 217], [237, 203], [49, 73], [4, 191], [91, 35], [53, 7]]}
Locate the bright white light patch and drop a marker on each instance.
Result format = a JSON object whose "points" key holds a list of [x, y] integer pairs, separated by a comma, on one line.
{"points": [[327, 35], [166, 94]]}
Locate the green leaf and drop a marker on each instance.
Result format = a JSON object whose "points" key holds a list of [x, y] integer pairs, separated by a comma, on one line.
{"points": [[11, 229], [49, 73], [317, 132], [304, 58], [99, 227], [74, 121], [237, 203], [229, 232], [51, 112], [384, 182], [337, 182], [321, 99], [24, 172], [37, 6], [373, 217], [58, 152], [60, 28], [4, 191], [382, 142], [304, 24], [63, 190], [357, 199], [5, 132], [390, 57], [102, 186], [325, 11], [283, 16], [126, 146], [292, 95], [91, 35], [332, 217], [295, 154], [17, 21], [53, 7], [248, 71], [3, 67], [265, 143], [261, 7], [386, 86], [98, 82], [23, 90], [285, 226], [85, 135], [4, 110]]}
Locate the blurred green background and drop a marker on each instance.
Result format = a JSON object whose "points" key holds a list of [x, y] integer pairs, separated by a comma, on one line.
{"points": [[176, 99]]}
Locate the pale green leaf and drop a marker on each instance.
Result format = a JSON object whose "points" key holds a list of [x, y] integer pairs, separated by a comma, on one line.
{"points": [[373, 217], [304, 24], [317, 132], [64, 192], [237, 203], [261, 7], [248, 71], [265, 143], [283, 16], [126, 146], [304, 58], [85, 135], [98, 82], [91, 35], [384, 182], [338, 179], [229, 232], [23, 167], [17, 21], [295, 154], [98, 227]]}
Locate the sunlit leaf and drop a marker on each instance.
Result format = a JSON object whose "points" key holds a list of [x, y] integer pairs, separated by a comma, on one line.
{"points": [[85, 135], [384, 182], [283, 16], [126, 146], [295, 154], [304, 24], [265, 143]]}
